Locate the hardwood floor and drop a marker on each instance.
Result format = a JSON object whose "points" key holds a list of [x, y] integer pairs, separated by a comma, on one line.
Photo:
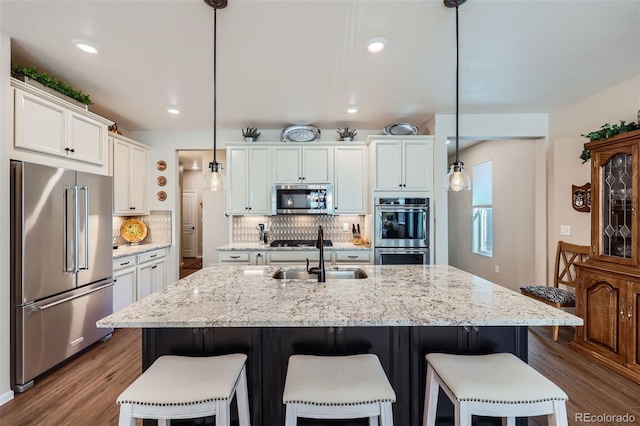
{"points": [[83, 392]]}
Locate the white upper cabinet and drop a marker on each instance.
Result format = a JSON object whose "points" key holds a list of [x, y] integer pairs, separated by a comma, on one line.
{"points": [[403, 165], [249, 186], [295, 164], [49, 125], [350, 180], [130, 177]]}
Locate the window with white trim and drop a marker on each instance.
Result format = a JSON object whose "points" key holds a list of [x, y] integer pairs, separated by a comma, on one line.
{"points": [[482, 209]]}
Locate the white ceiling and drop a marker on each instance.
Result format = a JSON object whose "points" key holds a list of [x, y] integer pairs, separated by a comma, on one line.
{"points": [[303, 61]]}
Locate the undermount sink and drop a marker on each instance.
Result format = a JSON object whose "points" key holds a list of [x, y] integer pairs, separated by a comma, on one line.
{"points": [[330, 274]]}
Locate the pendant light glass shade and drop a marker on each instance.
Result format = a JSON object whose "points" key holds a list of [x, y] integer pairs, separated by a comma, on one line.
{"points": [[457, 179], [213, 179]]}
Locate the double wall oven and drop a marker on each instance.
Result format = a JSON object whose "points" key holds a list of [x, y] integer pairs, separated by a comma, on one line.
{"points": [[401, 231]]}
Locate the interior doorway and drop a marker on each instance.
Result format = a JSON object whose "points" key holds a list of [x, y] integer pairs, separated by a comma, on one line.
{"points": [[190, 225]]}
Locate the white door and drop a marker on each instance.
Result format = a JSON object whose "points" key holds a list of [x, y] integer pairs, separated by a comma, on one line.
{"points": [[189, 223]]}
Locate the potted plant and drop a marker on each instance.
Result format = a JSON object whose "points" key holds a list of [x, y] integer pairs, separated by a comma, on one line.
{"points": [[606, 131], [347, 134], [250, 134], [31, 73]]}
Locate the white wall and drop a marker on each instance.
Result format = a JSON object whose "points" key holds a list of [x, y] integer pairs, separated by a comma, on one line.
{"points": [[493, 127], [514, 179], [619, 102], [6, 138]]}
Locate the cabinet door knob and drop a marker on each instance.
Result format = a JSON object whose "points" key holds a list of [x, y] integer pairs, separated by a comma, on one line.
{"points": [[66, 149], [400, 185], [72, 150], [622, 308]]}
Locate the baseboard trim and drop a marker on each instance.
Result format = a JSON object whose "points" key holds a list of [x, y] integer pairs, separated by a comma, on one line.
{"points": [[6, 397]]}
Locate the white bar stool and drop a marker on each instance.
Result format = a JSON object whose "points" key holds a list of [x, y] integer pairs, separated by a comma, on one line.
{"points": [[181, 387], [497, 385], [337, 387]]}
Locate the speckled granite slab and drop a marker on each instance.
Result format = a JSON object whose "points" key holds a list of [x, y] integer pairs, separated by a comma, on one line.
{"points": [[236, 296], [123, 251]]}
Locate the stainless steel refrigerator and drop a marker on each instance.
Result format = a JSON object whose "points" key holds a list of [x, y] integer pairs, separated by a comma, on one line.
{"points": [[61, 266]]}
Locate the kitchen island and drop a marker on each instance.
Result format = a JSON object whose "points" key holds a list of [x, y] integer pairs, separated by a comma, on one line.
{"points": [[399, 313]]}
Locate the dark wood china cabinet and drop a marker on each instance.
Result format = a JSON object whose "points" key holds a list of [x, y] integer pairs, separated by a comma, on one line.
{"points": [[608, 292]]}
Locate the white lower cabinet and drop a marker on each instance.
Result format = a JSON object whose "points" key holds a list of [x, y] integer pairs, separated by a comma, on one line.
{"points": [[151, 272], [242, 257], [124, 282], [137, 276], [295, 257], [352, 257]]}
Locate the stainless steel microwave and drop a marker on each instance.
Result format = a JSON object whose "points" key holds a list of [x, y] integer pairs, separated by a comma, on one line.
{"points": [[302, 199]]}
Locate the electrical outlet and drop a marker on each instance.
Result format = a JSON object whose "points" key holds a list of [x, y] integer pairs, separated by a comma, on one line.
{"points": [[345, 227], [565, 230], [497, 269]]}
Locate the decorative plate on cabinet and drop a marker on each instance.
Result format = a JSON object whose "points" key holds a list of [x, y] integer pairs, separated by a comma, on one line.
{"points": [[161, 165], [162, 195], [161, 181], [402, 129], [133, 230], [301, 134]]}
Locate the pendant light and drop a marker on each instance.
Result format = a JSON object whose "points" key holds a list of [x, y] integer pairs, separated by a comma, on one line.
{"points": [[212, 180], [457, 179]]}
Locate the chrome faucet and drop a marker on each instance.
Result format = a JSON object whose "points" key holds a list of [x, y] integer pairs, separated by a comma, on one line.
{"points": [[320, 268]]}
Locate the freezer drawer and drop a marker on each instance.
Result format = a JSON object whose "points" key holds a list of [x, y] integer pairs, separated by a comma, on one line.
{"points": [[50, 331]]}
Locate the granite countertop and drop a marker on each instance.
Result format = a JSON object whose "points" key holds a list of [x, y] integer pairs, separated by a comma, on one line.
{"points": [[260, 246], [407, 295], [123, 251]]}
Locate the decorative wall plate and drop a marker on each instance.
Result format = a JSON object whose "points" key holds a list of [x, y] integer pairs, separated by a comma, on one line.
{"points": [[161, 165], [162, 195], [133, 230], [301, 134], [161, 181], [401, 129]]}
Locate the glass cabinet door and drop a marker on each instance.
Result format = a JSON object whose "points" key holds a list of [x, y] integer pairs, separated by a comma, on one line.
{"points": [[617, 207]]}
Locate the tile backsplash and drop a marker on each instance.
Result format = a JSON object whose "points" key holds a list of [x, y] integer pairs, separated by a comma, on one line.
{"points": [[295, 227], [158, 227]]}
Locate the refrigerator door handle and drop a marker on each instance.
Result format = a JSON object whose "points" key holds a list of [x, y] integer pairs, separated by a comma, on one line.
{"points": [[58, 302], [65, 230], [86, 228]]}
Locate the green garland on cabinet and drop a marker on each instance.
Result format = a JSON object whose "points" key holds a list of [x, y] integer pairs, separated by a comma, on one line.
{"points": [[606, 131], [18, 71]]}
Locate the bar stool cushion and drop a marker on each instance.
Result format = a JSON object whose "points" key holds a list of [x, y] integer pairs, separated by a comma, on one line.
{"points": [[552, 294], [180, 380], [496, 378], [336, 380]]}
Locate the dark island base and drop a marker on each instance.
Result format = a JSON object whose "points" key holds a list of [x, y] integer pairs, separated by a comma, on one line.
{"points": [[401, 351]]}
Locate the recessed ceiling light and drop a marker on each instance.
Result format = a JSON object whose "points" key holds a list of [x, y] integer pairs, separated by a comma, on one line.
{"points": [[85, 46], [352, 109], [376, 45], [195, 165], [173, 110]]}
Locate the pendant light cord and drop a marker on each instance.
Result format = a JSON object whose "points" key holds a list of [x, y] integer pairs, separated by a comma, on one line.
{"points": [[215, 91], [457, 87]]}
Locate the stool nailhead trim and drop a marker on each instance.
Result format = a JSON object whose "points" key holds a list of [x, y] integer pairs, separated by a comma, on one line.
{"points": [[512, 402], [172, 404], [336, 404]]}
